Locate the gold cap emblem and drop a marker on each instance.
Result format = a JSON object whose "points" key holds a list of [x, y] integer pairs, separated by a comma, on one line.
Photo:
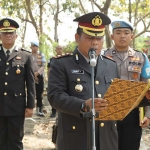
{"points": [[79, 88], [6, 23], [97, 21]]}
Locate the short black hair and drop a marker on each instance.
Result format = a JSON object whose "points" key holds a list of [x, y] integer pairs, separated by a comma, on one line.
{"points": [[79, 31]]}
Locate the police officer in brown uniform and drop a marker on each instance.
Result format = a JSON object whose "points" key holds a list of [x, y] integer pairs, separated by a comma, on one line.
{"points": [[16, 87], [59, 51], [38, 67], [69, 87], [130, 66]]}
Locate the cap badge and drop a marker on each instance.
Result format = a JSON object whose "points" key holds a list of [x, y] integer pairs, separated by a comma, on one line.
{"points": [[6, 23], [97, 21], [117, 24]]}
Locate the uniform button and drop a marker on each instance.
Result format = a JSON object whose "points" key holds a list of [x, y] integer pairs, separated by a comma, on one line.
{"points": [[6, 73], [5, 93], [115, 125], [20, 94], [78, 79], [7, 63], [96, 82], [102, 124], [99, 95], [73, 127], [6, 83]]}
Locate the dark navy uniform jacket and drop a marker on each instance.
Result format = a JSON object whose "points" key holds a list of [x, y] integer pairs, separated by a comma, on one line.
{"points": [[17, 89], [64, 76]]}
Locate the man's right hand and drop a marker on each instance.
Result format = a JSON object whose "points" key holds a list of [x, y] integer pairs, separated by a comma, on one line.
{"points": [[99, 104]]}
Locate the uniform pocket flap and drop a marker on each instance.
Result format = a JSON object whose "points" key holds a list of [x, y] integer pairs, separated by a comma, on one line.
{"points": [[17, 64]]}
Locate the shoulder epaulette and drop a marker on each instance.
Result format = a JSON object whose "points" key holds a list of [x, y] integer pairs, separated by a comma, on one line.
{"points": [[137, 50], [25, 50], [63, 55], [108, 58]]}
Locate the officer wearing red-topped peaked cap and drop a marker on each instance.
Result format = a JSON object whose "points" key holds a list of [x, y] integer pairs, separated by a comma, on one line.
{"points": [[8, 25], [69, 88], [93, 23]]}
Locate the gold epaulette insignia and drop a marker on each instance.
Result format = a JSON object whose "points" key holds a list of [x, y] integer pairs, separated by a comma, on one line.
{"points": [[64, 55]]}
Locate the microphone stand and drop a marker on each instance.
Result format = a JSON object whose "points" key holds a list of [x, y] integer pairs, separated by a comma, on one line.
{"points": [[90, 115]]}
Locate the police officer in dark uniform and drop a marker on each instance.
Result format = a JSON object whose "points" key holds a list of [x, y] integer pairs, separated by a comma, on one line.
{"points": [[59, 51], [69, 87], [16, 87]]}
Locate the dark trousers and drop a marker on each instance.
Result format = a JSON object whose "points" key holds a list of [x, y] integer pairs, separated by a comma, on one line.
{"points": [[129, 132], [11, 132], [53, 111], [39, 91]]}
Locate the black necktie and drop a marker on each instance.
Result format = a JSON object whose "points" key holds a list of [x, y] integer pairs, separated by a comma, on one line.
{"points": [[8, 53]]}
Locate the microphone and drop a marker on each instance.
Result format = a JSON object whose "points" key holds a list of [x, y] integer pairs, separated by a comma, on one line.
{"points": [[92, 56]]}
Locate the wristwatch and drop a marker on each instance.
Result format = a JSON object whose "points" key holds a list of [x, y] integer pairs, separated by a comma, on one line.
{"points": [[83, 106]]}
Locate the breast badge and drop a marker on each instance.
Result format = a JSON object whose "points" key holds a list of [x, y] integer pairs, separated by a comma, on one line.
{"points": [[78, 87], [18, 71], [135, 75]]}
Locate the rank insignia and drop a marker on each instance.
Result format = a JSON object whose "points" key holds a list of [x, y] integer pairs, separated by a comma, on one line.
{"points": [[18, 71], [97, 21], [6, 23], [18, 58], [135, 75], [79, 88]]}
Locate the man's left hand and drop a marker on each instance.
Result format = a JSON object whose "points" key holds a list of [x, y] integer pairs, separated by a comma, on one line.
{"points": [[145, 122], [28, 112]]}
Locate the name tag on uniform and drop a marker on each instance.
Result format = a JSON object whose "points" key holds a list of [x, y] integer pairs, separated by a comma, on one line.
{"points": [[77, 71]]}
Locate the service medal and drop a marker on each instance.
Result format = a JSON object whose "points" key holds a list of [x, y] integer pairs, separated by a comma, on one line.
{"points": [[18, 71], [79, 88]]}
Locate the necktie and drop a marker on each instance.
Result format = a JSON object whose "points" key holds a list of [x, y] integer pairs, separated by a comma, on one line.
{"points": [[8, 54]]}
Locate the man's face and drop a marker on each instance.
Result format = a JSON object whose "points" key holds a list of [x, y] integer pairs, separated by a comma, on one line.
{"points": [[34, 48], [8, 38], [59, 50], [86, 42], [122, 37]]}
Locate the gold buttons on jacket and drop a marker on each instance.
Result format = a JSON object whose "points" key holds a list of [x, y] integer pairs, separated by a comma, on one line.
{"points": [[20, 94], [6, 83], [5, 93], [7, 63], [99, 95], [78, 79], [102, 124], [6, 73], [115, 125], [73, 127], [96, 82]]}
